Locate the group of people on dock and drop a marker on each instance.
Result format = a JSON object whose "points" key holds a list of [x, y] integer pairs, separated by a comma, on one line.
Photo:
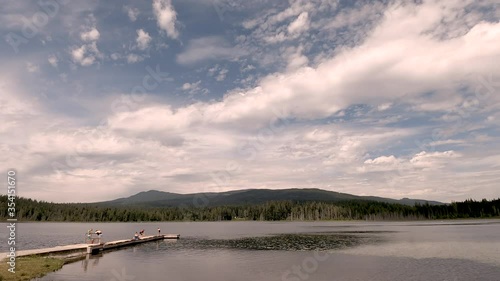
{"points": [[139, 235], [90, 239], [98, 235]]}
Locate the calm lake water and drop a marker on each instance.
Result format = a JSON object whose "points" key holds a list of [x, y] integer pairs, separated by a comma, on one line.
{"points": [[447, 250]]}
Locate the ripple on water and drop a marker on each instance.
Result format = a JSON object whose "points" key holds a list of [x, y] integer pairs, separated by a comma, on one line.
{"points": [[281, 242]]}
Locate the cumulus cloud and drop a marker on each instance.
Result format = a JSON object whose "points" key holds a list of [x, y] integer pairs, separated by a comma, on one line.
{"points": [[382, 160], [115, 56], [194, 88], [209, 48], [91, 35], [190, 86], [296, 59], [52, 59], [78, 55], [31, 67], [277, 26], [300, 24], [432, 159], [133, 58], [88, 53], [384, 106], [166, 17], [218, 72], [383, 63], [222, 75], [85, 55], [325, 123], [143, 39], [132, 13]]}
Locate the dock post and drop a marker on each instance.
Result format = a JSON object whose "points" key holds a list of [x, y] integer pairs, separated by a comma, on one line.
{"points": [[94, 249]]}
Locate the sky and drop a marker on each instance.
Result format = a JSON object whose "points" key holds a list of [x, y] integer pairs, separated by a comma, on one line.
{"points": [[104, 99]]}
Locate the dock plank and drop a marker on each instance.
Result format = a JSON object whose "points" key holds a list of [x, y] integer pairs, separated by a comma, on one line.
{"points": [[85, 247]]}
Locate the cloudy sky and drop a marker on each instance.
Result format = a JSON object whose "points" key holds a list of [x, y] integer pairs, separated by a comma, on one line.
{"points": [[104, 99]]}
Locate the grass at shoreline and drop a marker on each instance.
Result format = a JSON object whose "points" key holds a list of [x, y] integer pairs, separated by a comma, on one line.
{"points": [[30, 267]]}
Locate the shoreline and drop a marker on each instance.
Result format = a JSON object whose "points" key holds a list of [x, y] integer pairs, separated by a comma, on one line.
{"points": [[274, 221], [35, 266]]}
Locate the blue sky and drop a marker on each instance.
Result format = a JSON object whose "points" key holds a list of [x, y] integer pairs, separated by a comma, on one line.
{"points": [[103, 99]]}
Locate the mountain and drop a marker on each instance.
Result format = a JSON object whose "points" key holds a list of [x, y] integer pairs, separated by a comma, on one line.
{"points": [[155, 198]]}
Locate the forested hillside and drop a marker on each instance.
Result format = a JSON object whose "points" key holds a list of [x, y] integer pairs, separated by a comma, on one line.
{"points": [[155, 198], [32, 210]]}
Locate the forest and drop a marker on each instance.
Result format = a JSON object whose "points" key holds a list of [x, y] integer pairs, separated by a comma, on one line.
{"points": [[33, 210]]}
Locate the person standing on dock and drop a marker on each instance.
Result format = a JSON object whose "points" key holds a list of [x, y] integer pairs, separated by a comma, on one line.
{"points": [[136, 236], [99, 235], [159, 231]]}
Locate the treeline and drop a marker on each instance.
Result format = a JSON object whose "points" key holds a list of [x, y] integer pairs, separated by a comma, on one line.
{"points": [[33, 210]]}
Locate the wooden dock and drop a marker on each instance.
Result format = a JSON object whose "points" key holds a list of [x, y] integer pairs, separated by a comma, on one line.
{"points": [[90, 248]]}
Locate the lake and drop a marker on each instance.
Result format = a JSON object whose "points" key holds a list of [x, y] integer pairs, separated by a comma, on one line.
{"points": [[430, 250]]}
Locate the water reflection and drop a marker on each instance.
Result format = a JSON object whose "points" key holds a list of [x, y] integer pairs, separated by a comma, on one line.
{"points": [[88, 258]]}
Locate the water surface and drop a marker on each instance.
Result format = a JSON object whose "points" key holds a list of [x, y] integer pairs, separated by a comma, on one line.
{"points": [[449, 250]]}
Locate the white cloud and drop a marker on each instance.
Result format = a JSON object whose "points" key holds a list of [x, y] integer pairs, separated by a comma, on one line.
{"points": [[194, 88], [296, 59], [132, 13], [147, 119], [143, 39], [222, 75], [382, 160], [52, 59], [356, 16], [300, 24], [384, 106], [381, 164], [31, 67], [88, 53], [78, 55], [248, 68], [91, 35], [209, 48], [85, 55], [280, 26], [133, 58], [296, 8], [115, 56], [386, 62], [213, 70], [378, 72], [446, 142], [190, 86], [218, 72], [166, 17], [314, 124], [433, 159]]}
